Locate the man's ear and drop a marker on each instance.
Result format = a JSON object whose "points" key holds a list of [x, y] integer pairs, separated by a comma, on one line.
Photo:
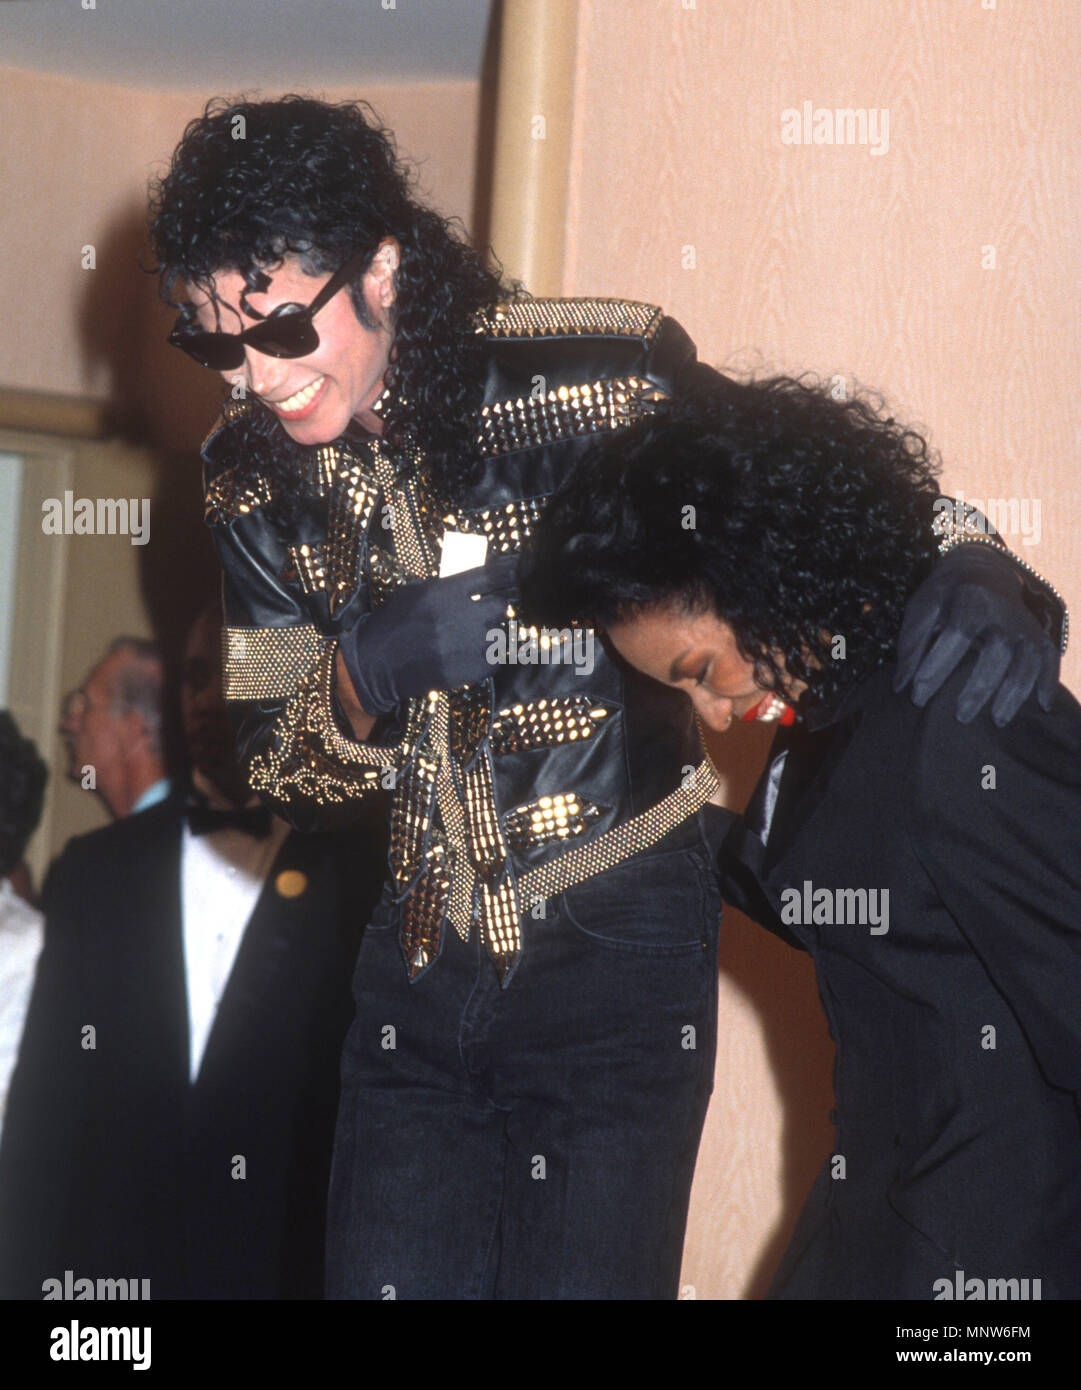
{"points": [[379, 282], [135, 728], [132, 724]]}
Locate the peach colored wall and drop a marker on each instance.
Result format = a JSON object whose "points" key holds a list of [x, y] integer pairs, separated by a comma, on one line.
{"points": [[830, 258], [878, 267]]}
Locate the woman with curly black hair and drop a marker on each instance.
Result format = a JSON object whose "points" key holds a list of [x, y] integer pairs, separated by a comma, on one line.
{"points": [[547, 934], [819, 524], [756, 552]]}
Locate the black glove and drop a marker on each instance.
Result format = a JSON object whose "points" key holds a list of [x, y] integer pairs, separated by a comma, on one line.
{"points": [[973, 599], [429, 635]]}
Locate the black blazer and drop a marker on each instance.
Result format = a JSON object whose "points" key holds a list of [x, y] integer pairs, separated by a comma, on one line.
{"points": [[958, 1028], [113, 1164]]}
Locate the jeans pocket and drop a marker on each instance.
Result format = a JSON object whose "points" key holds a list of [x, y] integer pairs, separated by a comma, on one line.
{"points": [[659, 904]]}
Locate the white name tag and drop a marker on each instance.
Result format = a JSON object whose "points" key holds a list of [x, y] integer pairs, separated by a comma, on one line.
{"points": [[461, 552]]}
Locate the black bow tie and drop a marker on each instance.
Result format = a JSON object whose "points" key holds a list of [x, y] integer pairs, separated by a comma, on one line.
{"points": [[204, 819]]}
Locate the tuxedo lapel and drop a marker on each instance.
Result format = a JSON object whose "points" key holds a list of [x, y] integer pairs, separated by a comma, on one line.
{"points": [[275, 958], [149, 909]]}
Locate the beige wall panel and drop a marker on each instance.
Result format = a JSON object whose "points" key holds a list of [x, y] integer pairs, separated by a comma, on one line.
{"points": [[76, 592], [535, 111], [102, 599], [768, 1129], [37, 621], [831, 258]]}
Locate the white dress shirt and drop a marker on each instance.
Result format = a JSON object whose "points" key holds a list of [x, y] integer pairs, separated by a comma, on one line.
{"points": [[21, 937], [221, 877]]}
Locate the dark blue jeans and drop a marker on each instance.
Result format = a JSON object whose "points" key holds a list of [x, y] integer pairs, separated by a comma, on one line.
{"points": [[536, 1141]]}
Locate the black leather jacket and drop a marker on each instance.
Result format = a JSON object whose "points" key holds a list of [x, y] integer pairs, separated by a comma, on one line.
{"points": [[504, 792]]}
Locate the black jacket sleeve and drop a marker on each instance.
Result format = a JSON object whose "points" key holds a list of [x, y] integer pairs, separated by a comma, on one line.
{"points": [[991, 821]]}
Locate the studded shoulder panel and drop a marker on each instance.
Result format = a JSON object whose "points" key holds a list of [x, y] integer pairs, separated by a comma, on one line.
{"points": [[561, 413], [555, 318]]}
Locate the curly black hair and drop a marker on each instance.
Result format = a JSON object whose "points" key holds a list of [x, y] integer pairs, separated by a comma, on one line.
{"points": [[792, 515], [22, 792], [253, 181]]}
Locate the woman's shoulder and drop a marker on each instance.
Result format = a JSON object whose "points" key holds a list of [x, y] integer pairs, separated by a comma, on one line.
{"points": [[976, 772]]}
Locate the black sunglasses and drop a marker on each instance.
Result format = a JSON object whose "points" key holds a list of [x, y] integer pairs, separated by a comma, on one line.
{"points": [[287, 332]]}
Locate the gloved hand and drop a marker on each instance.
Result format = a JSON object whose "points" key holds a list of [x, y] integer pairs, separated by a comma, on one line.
{"points": [[973, 598], [430, 634]]}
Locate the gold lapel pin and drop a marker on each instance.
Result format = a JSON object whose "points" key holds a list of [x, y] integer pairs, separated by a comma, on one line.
{"points": [[290, 883]]}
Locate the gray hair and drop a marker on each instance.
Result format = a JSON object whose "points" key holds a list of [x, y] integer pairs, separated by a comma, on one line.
{"points": [[140, 685]]}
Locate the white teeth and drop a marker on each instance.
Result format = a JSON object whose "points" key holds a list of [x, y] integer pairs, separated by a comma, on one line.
{"points": [[302, 397]]}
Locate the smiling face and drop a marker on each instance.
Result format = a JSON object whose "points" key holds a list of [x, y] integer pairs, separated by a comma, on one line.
{"points": [[696, 653], [315, 397]]}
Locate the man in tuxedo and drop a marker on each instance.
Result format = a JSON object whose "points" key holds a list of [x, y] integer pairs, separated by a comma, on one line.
{"points": [[173, 1107]]}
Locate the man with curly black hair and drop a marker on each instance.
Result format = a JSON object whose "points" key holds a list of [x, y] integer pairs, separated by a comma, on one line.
{"points": [[929, 867], [527, 1075]]}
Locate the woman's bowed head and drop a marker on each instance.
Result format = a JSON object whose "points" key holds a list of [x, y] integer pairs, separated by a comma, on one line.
{"points": [[743, 543]]}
